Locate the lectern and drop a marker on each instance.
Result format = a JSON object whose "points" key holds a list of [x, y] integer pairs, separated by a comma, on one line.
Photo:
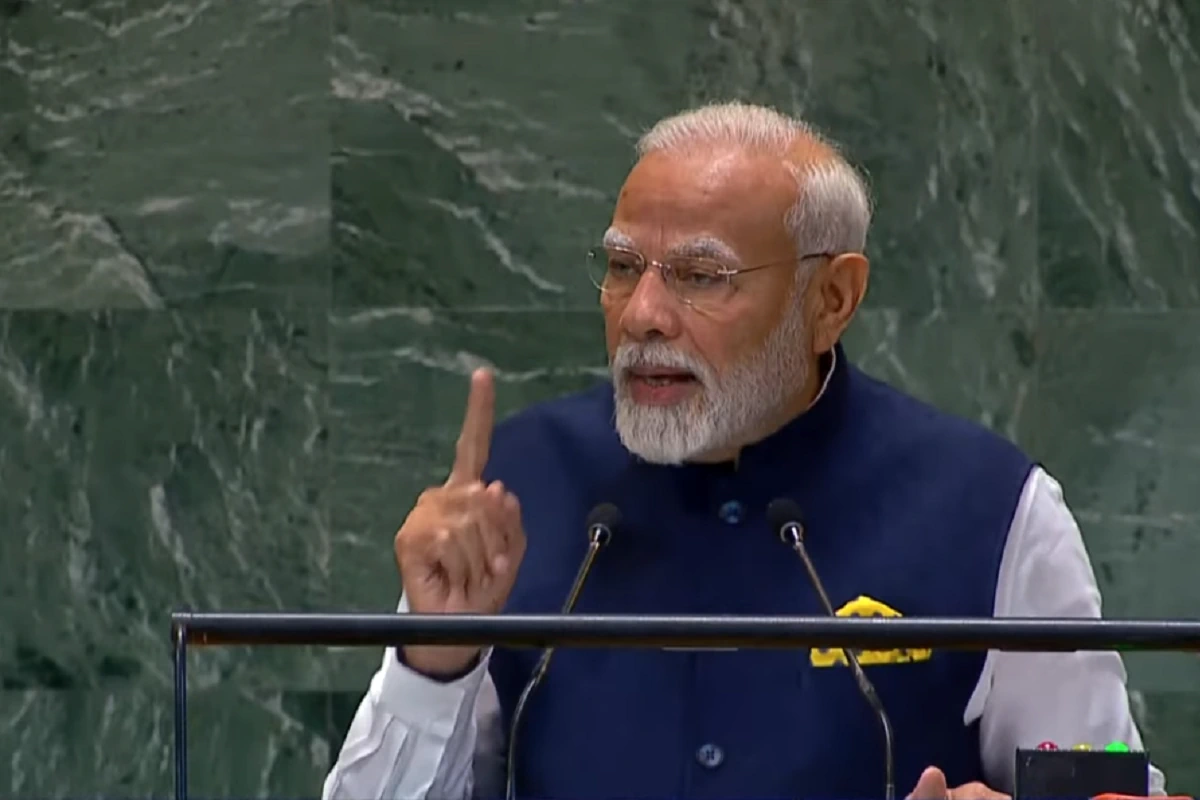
{"points": [[1041, 774]]}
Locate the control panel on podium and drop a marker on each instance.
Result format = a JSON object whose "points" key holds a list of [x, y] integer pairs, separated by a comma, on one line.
{"points": [[1081, 772]]}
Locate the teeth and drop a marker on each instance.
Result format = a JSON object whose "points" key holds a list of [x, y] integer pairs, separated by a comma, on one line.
{"points": [[663, 380]]}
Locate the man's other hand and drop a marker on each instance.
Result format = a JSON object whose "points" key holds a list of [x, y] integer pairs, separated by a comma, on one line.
{"points": [[932, 786]]}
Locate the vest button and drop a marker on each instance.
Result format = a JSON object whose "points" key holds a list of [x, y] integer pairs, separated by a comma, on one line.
{"points": [[731, 512], [710, 756]]}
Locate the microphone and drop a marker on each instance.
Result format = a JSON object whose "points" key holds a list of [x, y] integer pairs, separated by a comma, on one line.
{"points": [[785, 518], [601, 522]]}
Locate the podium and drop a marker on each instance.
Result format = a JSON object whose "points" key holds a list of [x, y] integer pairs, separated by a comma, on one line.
{"points": [[726, 632]]}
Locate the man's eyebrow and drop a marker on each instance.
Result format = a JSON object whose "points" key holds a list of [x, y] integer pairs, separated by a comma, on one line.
{"points": [[706, 247], [700, 247], [615, 238]]}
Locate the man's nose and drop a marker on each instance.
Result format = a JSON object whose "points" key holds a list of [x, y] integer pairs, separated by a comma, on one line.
{"points": [[652, 310]]}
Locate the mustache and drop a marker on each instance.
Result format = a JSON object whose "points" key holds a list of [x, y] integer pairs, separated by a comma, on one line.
{"points": [[658, 354]]}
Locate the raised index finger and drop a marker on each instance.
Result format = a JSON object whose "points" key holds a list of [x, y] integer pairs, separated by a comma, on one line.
{"points": [[475, 439]]}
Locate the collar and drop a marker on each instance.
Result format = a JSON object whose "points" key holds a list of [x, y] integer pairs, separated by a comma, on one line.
{"points": [[828, 364], [809, 431]]}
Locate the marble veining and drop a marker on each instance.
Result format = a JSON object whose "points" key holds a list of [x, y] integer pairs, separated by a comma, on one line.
{"points": [[249, 252]]}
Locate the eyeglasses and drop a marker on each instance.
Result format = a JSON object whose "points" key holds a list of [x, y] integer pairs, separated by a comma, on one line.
{"points": [[702, 283]]}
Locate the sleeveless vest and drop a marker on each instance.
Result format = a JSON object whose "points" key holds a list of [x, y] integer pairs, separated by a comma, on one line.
{"points": [[907, 511]]}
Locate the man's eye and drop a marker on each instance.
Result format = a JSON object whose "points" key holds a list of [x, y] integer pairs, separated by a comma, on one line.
{"points": [[698, 278]]}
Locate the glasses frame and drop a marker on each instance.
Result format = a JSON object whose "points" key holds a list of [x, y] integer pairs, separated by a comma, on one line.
{"points": [[667, 271]]}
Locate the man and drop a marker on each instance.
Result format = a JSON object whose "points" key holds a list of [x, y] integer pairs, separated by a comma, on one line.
{"points": [[733, 265]]}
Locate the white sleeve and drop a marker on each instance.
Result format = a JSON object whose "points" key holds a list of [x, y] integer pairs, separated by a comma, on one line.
{"points": [[1024, 699], [413, 738]]}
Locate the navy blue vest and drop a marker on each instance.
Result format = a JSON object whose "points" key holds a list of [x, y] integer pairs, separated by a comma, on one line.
{"points": [[904, 505]]}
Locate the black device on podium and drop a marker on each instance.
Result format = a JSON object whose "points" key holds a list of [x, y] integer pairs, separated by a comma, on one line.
{"points": [[1052, 774]]}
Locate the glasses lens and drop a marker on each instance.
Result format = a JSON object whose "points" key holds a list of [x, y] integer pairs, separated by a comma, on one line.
{"points": [[614, 271], [701, 283]]}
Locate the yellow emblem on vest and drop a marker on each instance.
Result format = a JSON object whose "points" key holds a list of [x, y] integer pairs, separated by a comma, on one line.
{"points": [[862, 606]]}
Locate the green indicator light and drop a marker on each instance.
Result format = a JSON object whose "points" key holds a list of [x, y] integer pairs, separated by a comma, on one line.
{"points": [[1117, 747]]}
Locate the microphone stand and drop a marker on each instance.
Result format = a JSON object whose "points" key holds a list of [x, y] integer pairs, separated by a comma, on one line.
{"points": [[598, 536], [792, 534]]}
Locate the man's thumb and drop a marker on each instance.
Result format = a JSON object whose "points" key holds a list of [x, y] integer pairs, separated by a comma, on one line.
{"points": [[931, 786]]}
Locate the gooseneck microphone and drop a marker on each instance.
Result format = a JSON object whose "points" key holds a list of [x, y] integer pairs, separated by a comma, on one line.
{"points": [[603, 520], [785, 518]]}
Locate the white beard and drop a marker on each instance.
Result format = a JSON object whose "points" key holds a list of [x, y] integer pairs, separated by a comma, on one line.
{"points": [[727, 409]]}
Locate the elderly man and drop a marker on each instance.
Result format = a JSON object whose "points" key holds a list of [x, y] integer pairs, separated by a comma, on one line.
{"points": [[733, 264]]}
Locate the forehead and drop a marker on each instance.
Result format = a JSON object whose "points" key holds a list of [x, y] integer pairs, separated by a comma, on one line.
{"points": [[701, 202]]}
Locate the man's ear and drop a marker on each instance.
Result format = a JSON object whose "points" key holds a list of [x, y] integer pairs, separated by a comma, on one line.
{"points": [[837, 289]]}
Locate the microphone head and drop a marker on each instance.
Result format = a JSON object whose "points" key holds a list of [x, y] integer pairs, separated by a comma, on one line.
{"points": [[783, 512], [602, 522]]}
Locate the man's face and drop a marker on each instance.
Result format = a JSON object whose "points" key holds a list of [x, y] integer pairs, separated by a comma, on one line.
{"points": [[691, 382]]}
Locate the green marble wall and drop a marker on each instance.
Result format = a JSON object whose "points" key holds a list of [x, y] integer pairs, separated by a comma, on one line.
{"points": [[238, 307]]}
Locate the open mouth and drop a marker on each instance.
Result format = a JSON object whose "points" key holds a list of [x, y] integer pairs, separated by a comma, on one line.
{"points": [[658, 376], [661, 386]]}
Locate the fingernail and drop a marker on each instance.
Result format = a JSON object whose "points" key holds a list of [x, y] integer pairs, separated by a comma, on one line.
{"points": [[500, 565]]}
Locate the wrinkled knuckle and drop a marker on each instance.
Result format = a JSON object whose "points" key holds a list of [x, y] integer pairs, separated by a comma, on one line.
{"points": [[405, 547], [407, 531], [431, 497]]}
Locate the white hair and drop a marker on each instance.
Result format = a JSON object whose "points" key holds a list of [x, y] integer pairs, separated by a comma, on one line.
{"points": [[832, 212]]}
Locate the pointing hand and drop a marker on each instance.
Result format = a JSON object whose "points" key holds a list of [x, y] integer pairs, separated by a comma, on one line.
{"points": [[459, 549]]}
